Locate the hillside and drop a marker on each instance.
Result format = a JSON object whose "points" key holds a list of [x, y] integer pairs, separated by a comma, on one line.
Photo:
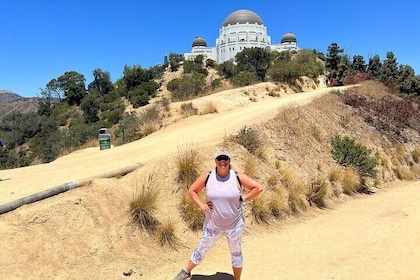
{"points": [[12, 102], [85, 233]]}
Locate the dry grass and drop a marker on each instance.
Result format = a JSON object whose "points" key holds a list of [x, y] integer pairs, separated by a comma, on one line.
{"points": [[277, 203], [187, 163], [260, 209], [404, 173], [190, 213], [250, 139], [187, 109], [272, 181], [209, 108], [297, 196], [166, 235], [416, 155], [149, 127], [352, 182], [143, 207], [251, 167], [318, 192]]}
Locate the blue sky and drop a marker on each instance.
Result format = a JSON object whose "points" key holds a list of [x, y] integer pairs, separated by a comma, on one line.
{"points": [[42, 39]]}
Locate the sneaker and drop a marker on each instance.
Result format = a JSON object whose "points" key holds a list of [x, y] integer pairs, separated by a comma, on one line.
{"points": [[183, 275]]}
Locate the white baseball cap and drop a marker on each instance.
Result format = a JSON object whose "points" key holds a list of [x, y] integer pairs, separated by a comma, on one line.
{"points": [[222, 153]]}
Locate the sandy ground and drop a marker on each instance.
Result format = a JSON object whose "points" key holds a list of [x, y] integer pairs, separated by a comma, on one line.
{"points": [[83, 234]]}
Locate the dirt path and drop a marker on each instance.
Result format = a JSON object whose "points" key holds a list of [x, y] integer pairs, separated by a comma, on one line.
{"points": [[83, 234], [370, 237], [198, 130]]}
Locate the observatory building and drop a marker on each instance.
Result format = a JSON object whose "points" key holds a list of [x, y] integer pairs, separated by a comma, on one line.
{"points": [[241, 29]]}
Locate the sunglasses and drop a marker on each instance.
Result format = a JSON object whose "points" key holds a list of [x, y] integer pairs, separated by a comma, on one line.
{"points": [[219, 158]]}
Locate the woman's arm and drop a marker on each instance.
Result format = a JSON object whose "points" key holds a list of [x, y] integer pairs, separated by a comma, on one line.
{"points": [[254, 187], [195, 188]]}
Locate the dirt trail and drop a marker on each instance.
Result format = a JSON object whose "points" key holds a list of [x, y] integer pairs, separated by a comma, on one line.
{"points": [[370, 237], [198, 130], [84, 234]]}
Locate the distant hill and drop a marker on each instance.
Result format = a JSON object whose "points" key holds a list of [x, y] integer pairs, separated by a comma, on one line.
{"points": [[12, 102]]}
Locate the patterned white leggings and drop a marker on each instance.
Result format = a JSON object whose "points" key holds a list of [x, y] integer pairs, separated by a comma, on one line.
{"points": [[209, 238]]}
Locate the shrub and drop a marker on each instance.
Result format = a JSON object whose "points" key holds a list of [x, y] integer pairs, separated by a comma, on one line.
{"points": [[277, 203], [188, 109], [416, 155], [190, 213], [250, 139], [348, 153], [250, 167], [260, 210], [143, 207], [297, 197], [244, 79], [166, 235], [187, 164], [209, 108], [318, 192], [352, 182]]}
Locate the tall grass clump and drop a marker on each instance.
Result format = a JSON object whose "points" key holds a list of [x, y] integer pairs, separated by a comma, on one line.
{"points": [[166, 235], [209, 108], [297, 197], [260, 209], [188, 109], [352, 182], [187, 164], [143, 207], [190, 213], [349, 153], [318, 193], [251, 167], [250, 139], [277, 203], [416, 155]]}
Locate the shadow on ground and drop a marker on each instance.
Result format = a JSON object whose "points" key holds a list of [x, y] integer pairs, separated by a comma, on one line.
{"points": [[217, 276]]}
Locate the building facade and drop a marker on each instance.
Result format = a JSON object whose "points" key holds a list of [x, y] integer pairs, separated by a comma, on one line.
{"points": [[241, 29]]}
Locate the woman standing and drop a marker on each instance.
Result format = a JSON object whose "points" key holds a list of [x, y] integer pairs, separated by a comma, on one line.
{"points": [[223, 211]]}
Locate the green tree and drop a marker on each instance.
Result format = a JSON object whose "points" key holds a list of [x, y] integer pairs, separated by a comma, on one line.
{"points": [[72, 84], [308, 64], [101, 83], [227, 69], [374, 66], [333, 59], [389, 70], [90, 107], [45, 102], [358, 65], [175, 61], [254, 60], [407, 82]]}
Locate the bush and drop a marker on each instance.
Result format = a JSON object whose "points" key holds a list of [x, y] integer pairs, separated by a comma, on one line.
{"points": [[348, 153], [250, 139], [143, 207], [261, 210], [244, 79], [190, 213], [318, 192], [166, 235], [187, 164]]}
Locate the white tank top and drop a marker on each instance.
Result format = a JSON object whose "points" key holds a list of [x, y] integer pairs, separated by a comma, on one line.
{"points": [[224, 193]]}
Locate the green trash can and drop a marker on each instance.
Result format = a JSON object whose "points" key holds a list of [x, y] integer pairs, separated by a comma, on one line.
{"points": [[104, 138]]}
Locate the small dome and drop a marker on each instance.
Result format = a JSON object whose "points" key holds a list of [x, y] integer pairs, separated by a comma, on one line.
{"points": [[243, 16], [199, 42], [288, 37]]}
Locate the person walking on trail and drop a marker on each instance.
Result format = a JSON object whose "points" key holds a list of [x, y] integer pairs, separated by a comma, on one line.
{"points": [[2, 146], [223, 211]]}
